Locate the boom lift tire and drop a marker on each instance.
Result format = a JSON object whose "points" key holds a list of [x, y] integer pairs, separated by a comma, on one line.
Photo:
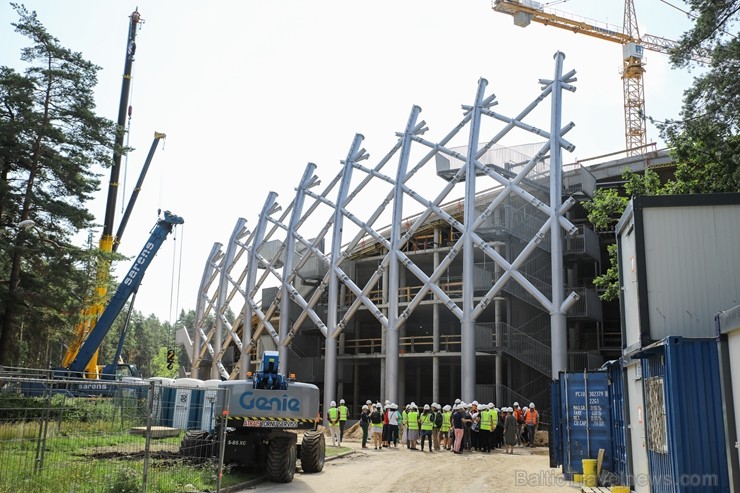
{"points": [[281, 459], [313, 450], [198, 444]]}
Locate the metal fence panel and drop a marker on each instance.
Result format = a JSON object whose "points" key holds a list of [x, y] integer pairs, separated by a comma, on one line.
{"points": [[57, 436]]}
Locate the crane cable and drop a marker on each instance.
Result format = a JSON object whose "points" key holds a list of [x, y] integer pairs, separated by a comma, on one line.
{"points": [[128, 139], [176, 274]]}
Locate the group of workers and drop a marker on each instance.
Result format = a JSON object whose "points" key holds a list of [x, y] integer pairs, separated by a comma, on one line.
{"points": [[458, 427]]}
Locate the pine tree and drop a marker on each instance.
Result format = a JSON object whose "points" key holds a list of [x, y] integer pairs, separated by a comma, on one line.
{"points": [[50, 138]]}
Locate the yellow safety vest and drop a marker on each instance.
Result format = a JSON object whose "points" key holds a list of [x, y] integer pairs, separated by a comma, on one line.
{"points": [[446, 421], [413, 420], [494, 418], [333, 413], [485, 420], [426, 422], [343, 413]]}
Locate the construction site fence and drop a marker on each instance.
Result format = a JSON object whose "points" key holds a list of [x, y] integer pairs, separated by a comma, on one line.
{"points": [[89, 436]]}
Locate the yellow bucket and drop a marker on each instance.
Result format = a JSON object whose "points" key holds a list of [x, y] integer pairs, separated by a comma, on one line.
{"points": [[589, 472], [578, 478], [620, 489]]}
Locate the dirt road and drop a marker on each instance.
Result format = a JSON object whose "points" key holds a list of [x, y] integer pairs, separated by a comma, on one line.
{"points": [[441, 472]]}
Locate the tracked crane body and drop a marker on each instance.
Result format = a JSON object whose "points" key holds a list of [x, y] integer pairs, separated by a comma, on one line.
{"points": [[633, 46]]}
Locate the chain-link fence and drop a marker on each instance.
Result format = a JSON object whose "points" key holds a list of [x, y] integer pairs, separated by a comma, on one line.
{"points": [[86, 436]]}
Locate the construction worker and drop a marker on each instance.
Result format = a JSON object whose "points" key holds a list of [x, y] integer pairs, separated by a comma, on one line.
{"points": [[458, 423], [376, 419], [364, 423], [485, 424], [437, 424], [445, 428], [497, 431], [427, 425], [332, 415], [532, 420], [394, 418], [343, 412], [412, 425], [519, 415]]}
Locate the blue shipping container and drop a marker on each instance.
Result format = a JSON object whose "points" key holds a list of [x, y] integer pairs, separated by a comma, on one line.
{"points": [[584, 420], [617, 409], [684, 432]]}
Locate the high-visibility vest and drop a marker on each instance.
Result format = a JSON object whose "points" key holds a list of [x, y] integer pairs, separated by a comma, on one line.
{"points": [[446, 416], [426, 422], [333, 414], [485, 420], [494, 418], [413, 420], [404, 418], [530, 417], [343, 413]]}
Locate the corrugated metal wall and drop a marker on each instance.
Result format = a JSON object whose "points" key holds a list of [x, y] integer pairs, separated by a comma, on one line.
{"points": [[685, 436], [688, 283]]}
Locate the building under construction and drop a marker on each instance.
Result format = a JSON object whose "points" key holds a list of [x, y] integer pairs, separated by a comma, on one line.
{"points": [[454, 268]]}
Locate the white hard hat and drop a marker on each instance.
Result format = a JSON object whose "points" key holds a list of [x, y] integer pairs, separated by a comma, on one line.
{"points": [[341, 401], [426, 407], [332, 403], [483, 407], [474, 403], [531, 405], [368, 402], [446, 408], [457, 401], [394, 406], [387, 402], [379, 405], [364, 407], [413, 404], [516, 404]]}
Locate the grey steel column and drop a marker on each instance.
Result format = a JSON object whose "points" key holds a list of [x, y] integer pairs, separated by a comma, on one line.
{"points": [[558, 333], [330, 351], [289, 249], [435, 326], [498, 306], [200, 309], [223, 285], [391, 340], [259, 235], [467, 323]]}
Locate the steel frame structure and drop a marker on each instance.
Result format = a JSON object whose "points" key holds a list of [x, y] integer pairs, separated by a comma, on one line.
{"points": [[281, 251]]}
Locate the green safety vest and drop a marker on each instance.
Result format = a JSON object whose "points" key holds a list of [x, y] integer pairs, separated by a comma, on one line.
{"points": [[485, 420], [333, 413], [494, 418], [426, 422], [413, 420], [343, 413], [446, 416]]}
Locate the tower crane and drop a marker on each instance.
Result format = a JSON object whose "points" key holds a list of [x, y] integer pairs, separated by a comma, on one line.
{"points": [[633, 46]]}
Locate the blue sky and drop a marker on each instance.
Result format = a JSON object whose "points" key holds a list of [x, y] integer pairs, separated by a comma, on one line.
{"points": [[250, 91]]}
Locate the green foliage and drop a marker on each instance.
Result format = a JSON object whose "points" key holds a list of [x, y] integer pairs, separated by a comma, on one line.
{"points": [[50, 139], [609, 282], [159, 365], [126, 480], [705, 140]]}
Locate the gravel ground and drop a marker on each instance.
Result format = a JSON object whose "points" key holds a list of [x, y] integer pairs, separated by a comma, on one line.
{"points": [[398, 469]]}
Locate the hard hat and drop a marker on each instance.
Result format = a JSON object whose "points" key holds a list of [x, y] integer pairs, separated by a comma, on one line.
{"points": [[457, 401], [474, 403], [379, 405], [368, 402], [531, 405], [394, 406], [446, 408], [364, 407], [483, 407], [426, 407], [516, 404], [341, 401], [490, 405], [413, 404], [332, 403], [387, 402]]}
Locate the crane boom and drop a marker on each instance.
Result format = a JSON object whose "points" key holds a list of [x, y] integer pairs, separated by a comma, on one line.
{"points": [[128, 286], [526, 11]]}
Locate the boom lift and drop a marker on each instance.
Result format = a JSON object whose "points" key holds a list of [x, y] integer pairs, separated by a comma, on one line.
{"points": [[633, 46], [126, 288]]}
